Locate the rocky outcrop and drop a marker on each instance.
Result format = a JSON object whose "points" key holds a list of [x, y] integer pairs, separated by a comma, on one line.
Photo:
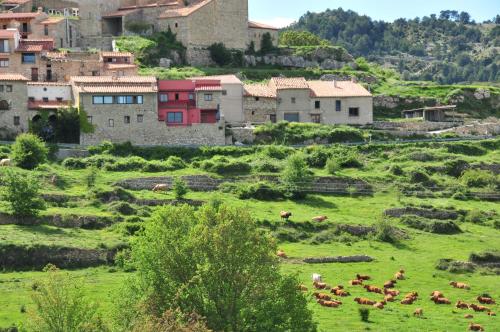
{"points": [[338, 259]]}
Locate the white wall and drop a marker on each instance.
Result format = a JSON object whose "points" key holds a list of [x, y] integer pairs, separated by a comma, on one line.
{"points": [[329, 115], [232, 103], [52, 92]]}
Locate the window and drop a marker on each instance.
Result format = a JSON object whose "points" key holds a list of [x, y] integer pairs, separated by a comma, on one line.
{"points": [[97, 100], [317, 104], [139, 99], [29, 58], [176, 96], [174, 117], [129, 99], [45, 99], [315, 118], [17, 121], [1, 88], [8, 88], [46, 29], [208, 97], [140, 118], [59, 99], [338, 105], [4, 46], [272, 118], [353, 111], [163, 98], [95, 73], [176, 24], [89, 119], [257, 98], [108, 99], [294, 100], [224, 92], [111, 123], [4, 62], [31, 98], [291, 117], [191, 96], [126, 119]]}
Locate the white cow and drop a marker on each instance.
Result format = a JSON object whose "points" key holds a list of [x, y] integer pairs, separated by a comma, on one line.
{"points": [[5, 162], [160, 187], [316, 277]]}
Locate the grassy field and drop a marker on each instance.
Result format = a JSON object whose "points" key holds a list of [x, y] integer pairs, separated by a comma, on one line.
{"points": [[418, 253]]}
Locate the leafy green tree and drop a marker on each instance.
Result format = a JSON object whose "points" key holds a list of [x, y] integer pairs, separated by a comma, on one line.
{"points": [[61, 306], [220, 54], [296, 176], [216, 263], [266, 44], [91, 177], [301, 38], [22, 193], [28, 151], [179, 188]]}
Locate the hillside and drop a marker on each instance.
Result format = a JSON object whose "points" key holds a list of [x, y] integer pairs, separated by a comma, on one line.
{"points": [[427, 208], [445, 48]]}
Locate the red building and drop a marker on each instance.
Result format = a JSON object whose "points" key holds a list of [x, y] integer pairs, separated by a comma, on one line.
{"points": [[187, 102]]}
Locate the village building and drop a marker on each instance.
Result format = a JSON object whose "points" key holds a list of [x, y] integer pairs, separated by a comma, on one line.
{"points": [[298, 100], [14, 117], [49, 96], [256, 32], [16, 6]]}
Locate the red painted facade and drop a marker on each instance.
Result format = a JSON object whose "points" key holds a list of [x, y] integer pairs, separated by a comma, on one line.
{"points": [[177, 103]]}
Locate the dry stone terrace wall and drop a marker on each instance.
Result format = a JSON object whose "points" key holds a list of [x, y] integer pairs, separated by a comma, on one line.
{"points": [[425, 213], [328, 185]]}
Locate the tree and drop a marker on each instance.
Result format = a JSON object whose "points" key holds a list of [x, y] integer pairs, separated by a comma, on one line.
{"points": [[28, 151], [464, 18], [22, 193], [179, 188], [296, 176], [61, 306], [266, 44], [220, 54], [217, 263]]}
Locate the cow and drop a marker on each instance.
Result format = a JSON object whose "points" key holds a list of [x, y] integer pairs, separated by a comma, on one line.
{"points": [[399, 276], [475, 327], [364, 300], [330, 304], [281, 254], [389, 298], [303, 288], [461, 305], [319, 285], [389, 284], [485, 300], [491, 313], [320, 218], [441, 300], [356, 282], [340, 292], [476, 307], [391, 292], [436, 294], [160, 187], [285, 215], [373, 289], [379, 305], [5, 162], [459, 285], [362, 277], [468, 316], [322, 296], [418, 312]]}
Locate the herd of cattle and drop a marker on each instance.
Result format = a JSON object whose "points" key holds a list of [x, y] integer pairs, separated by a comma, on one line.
{"points": [[327, 299]]}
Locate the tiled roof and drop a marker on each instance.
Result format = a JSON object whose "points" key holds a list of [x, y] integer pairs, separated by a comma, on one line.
{"points": [[17, 16], [15, 2], [119, 13], [282, 83], [35, 45], [208, 88], [116, 54], [224, 79], [126, 88], [52, 20], [257, 25], [114, 80], [259, 90], [29, 48], [337, 89], [12, 77], [184, 11], [8, 34], [39, 104], [49, 84]]}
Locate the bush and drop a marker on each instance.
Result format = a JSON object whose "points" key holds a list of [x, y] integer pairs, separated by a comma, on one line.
{"points": [[332, 166], [431, 225], [100, 160], [317, 156], [422, 156], [155, 166], [220, 54], [91, 177], [488, 257], [419, 176], [22, 194], [296, 177], [261, 191], [385, 232], [345, 134], [364, 314], [478, 178], [74, 163], [224, 166], [276, 152], [467, 149], [266, 166], [179, 188], [126, 165], [455, 167], [29, 151], [122, 208], [396, 170]]}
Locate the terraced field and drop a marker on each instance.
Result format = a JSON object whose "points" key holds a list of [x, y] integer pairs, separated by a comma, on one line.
{"points": [[101, 221]]}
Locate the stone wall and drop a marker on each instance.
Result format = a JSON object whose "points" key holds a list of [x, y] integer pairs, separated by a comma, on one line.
{"points": [[255, 36], [18, 107], [243, 135], [258, 109]]}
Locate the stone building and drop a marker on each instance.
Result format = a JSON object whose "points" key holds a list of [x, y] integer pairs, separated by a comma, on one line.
{"points": [[256, 32], [298, 100], [49, 96], [14, 117], [17, 6]]}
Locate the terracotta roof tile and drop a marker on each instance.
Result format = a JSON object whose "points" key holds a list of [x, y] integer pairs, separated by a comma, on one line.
{"points": [[114, 80], [337, 89], [49, 84], [257, 25], [12, 77], [125, 88], [29, 48], [282, 83], [8, 34], [15, 2], [17, 16], [184, 11], [52, 20], [259, 90], [224, 79], [208, 88], [39, 104], [56, 55], [119, 13], [111, 66], [116, 54]]}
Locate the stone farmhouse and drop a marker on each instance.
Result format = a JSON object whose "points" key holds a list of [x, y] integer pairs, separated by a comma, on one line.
{"points": [[298, 100]]}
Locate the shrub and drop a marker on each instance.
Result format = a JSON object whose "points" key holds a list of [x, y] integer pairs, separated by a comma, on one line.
{"points": [[475, 217], [467, 149], [260, 191], [419, 176], [385, 232], [296, 177], [91, 177], [175, 163], [155, 166], [289, 234], [28, 151], [122, 208], [126, 165], [276, 151], [477, 178], [266, 166], [74, 163], [485, 257], [317, 156], [431, 225], [332, 166], [100, 160], [179, 188], [422, 156], [455, 167], [22, 194], [345, 134], [364, 314], [220, 54], [222, 165], [350, 160], [396, 170]]}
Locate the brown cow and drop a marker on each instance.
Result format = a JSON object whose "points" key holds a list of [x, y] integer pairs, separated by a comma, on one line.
{"points": [[485, 300], [340, 292], [412, 294], [330, 304], [373, 289], [379, 305], [475, 327], [476, 307], [336, 288], [460, 285], [399, 276], [364, 300], [362, 277], [281, 254], [491, 313], [319, 285], [322, 296], [437, 294], [285, 215], [303, 288], [468, 316], [408, 300], [392, 292], [418, 312], [320, 218], [389, 298], [462, 305], [389, 284], [356, 282], [441, 300]]}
